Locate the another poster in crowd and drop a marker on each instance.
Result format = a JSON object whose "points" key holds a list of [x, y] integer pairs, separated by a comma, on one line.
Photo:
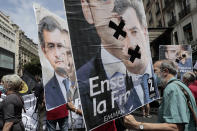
{"points": [[55, 54], [111, 50], [30, 118], [180, 54]]}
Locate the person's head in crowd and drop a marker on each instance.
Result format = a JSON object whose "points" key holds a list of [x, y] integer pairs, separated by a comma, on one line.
{"points": [[12, 83], [101, 12], [188, 78], [171, 52], [156, 67], [37, 78], [195, 69], [168, 70], [53, 44]]}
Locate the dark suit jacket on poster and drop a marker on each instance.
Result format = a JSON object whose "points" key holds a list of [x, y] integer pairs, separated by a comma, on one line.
{"points": [[53, 94], [92, 69]]}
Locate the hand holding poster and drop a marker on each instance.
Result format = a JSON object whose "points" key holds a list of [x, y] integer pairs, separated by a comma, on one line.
{"points": [[112, 56]]}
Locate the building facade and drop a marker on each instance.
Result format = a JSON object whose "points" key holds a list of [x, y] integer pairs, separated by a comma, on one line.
{"points": [[26, 51], [159, 34], [184, 20], [7, 45], [16, 49], [154, 13], [179, 15]]}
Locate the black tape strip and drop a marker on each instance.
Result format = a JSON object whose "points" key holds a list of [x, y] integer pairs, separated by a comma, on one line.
{"points": [[118, 29], [134, 54]]}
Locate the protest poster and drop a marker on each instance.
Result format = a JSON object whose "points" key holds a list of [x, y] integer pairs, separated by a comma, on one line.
{"points": [[55, 57], [180, 54], [30, 118], [58, 71], [112, 57]]}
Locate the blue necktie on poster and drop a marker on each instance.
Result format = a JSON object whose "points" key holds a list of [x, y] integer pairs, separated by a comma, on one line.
{"points": [[66, 84]]}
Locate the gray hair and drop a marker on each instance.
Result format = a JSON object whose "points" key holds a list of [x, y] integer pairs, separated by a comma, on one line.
{"points": [[14, 82], [120, 6], [170, 65], [47, 23], [189, 77]]}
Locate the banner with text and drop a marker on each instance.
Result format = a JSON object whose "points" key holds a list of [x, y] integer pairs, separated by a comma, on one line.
{"points": [[110, 45]]}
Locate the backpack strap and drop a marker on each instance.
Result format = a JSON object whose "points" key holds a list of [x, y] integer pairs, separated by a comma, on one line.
{"points": [[188, 99]]}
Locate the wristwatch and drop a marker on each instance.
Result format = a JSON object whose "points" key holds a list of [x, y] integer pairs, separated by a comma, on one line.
{"points": [[141, 126]]}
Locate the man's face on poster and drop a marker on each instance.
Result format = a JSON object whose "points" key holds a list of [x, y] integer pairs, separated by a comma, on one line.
{"points": [[55, 50], [170, 52], [100, 13], [136, 36]]}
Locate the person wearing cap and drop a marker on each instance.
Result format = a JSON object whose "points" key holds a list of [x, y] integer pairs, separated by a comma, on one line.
{"points": [[13, 103]]}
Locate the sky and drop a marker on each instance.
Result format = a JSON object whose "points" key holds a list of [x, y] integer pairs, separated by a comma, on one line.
{"points": [[21, 13]]}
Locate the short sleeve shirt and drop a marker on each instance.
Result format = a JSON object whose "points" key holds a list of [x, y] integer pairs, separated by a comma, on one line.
{"points": [[12, 109], [174, 108]]}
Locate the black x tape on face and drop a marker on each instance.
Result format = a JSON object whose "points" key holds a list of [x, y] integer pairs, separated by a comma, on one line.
{"points": [[134, 54], [118, 29]]}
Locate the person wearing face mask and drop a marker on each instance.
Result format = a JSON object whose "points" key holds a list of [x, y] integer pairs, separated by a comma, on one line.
{"points": [[177, 111], [13, 103]]}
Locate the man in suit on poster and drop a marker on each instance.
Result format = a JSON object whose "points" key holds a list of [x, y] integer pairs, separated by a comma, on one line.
{"points": [[111, 69], [55, 44]]}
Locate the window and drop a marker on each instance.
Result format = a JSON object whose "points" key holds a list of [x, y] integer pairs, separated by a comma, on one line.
{"points": [[188, 32], [176, 38]]}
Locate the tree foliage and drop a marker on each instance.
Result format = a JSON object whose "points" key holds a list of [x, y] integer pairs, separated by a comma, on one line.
{"points": [[33, 67]]}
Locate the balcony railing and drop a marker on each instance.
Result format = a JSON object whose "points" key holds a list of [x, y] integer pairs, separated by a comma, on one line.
{"points": [[172, 21], [184, 12]]}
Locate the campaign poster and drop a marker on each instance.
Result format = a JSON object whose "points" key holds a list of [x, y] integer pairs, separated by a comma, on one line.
{"points": [[55, 53], [58, 71], [111, 51], [180, 54]]}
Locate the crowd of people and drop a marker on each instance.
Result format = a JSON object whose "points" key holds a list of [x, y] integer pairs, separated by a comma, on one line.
{"points": [[177, 111]]}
